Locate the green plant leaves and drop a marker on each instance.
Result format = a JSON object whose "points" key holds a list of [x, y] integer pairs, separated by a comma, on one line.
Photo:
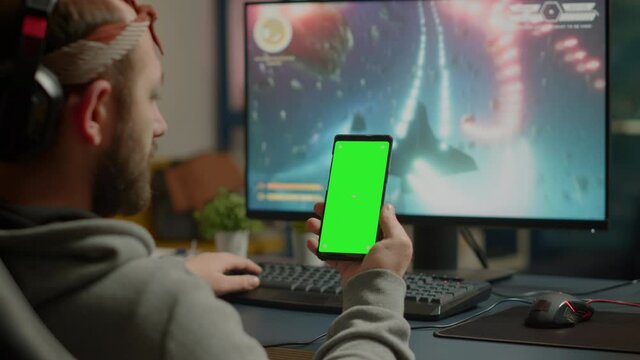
{"points": [[225, 212]]}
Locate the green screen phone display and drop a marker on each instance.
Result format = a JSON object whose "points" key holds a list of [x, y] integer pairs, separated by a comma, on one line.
{"points": [[354, 196]]}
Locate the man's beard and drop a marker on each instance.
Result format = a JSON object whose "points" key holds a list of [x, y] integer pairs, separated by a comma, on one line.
{"points": [[122, 182]]}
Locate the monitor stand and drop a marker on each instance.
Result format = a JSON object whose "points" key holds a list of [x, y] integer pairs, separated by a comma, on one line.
{"points": [[435, 250], [435, 247]]}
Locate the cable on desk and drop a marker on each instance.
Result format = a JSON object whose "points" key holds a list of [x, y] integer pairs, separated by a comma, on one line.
{"points": [[303, 343], [584, 293], [616, 302], [525, 301]]}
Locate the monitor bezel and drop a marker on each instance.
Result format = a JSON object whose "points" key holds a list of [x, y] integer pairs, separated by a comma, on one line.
{"points": [[438, 220]]}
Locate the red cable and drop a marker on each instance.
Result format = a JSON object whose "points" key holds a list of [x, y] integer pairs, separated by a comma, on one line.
{"points": [[590, 301]]}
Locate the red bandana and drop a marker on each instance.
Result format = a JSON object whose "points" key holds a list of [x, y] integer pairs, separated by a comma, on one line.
{"points": [[107, 33]]}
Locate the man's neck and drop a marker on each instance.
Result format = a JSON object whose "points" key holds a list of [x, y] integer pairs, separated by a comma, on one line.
{"points": [[44, 183]]}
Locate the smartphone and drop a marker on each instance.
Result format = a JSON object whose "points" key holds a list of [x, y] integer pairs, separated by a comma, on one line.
{"points": [[354, 196]]}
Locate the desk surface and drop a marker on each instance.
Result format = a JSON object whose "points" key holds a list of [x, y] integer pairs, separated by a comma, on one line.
{"points": [[271, 326]]}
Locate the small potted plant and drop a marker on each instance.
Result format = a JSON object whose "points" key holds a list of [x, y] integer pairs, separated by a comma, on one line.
{"points": [[224, 219]]}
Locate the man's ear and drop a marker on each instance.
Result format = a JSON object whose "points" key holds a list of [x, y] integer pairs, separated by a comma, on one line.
{"points": [[92, 111]]}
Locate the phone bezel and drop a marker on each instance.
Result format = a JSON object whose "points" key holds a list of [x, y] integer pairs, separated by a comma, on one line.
{"points": [[365, 138]]}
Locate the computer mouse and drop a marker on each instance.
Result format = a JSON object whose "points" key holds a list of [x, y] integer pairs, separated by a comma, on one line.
{"points": [[558, 310]]}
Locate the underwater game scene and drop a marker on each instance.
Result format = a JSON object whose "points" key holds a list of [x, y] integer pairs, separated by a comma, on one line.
{"points": [[497, 108]]}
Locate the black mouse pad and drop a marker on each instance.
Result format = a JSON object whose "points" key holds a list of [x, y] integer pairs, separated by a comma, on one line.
{"points": [[610, 331]]}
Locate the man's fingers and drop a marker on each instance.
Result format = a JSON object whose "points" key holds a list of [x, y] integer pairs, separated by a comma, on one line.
{"points": [[235, 262], [318, 208], [312, 245], [390, 225], [237, 283], [313, 225]]}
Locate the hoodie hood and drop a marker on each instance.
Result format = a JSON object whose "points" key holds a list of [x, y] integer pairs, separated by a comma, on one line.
{"points": [[50, 260]]}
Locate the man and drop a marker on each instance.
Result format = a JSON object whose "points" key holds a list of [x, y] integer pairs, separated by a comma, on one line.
{"points": [[90, 279]]}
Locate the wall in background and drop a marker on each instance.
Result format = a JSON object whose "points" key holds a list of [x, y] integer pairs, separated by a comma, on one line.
{"points": [[188, 32]]}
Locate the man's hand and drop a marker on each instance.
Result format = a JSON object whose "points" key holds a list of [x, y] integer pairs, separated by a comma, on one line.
{"points": [[393, 252], [214, 267]]}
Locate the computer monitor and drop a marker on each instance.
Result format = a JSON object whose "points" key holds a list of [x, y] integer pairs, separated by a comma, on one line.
{"points": [[498, 108]]}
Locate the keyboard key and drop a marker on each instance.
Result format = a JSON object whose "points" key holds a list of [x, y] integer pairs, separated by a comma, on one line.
{"points": [[277, 284]]}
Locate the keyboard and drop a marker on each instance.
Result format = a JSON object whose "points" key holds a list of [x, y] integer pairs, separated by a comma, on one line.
{"points": [[313, 288]]}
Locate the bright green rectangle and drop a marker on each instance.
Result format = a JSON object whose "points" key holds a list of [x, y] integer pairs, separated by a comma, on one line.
{"points": [[354, 196]]}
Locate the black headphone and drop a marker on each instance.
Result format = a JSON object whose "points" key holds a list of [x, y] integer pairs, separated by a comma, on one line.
{"points": [[31, 96]]}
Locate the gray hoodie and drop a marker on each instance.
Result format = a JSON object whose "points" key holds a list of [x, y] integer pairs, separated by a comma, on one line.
{"points": [[95, 286]]}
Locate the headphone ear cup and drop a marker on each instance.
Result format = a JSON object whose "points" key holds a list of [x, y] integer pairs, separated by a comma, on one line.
{"points": [[30, 95], [22, 139], [46, 103]]}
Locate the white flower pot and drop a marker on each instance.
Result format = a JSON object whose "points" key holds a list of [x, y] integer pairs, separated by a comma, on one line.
{"points": [[301, 253], [235, 242]]}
